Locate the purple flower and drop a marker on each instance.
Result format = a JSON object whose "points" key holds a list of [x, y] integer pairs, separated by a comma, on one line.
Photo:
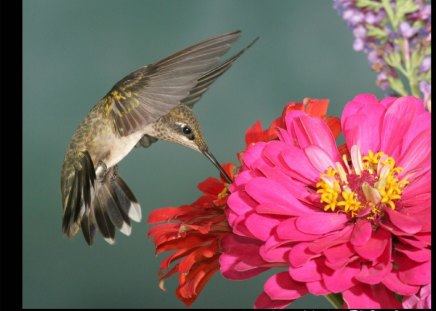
{"points": [[358, 44], [425, 65], [407, 31], [391, 44]]}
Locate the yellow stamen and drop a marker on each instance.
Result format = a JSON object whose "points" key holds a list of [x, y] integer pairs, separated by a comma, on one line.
{"points": [[340, 191]]}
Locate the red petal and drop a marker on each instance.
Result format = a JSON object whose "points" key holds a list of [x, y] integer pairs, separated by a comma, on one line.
{"points": [[211, 186], [192, 284], [334, 125], [166, 213], [198, 256], [316, 107], [253, 133]]}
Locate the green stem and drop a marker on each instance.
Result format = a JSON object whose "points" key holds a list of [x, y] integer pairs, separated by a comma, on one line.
{"points": [[335, 300], [390, 13]]}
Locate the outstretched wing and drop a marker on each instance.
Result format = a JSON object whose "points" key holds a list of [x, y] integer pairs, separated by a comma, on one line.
{"points": [[207, 79], [152, 91]]}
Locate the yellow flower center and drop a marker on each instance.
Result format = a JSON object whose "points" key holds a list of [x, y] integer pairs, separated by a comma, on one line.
{"points": [[363, 186]]}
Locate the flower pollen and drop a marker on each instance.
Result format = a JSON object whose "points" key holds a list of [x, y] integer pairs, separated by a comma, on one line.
{"points": [[363, 186]]}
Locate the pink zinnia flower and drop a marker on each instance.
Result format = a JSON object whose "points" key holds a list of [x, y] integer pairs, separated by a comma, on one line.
{"points": [[356, 225], [193, 232]]}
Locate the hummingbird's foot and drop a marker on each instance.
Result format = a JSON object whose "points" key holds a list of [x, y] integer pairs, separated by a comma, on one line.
{"points": [[101, 171]]}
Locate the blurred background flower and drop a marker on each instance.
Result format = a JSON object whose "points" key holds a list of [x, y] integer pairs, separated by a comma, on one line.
{"points": [[396, 36]]}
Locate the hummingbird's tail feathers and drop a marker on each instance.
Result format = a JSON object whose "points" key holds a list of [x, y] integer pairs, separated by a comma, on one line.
{"points": [[92, 204], [209, 77], [79, 198], [89, 229], [115, 205], [129, 204]]}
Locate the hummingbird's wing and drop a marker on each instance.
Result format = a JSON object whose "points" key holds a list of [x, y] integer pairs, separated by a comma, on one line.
{"points": [[209, 77], [152, 91], [200, 88]]}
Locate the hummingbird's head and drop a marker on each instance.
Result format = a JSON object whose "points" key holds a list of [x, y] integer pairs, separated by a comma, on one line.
{"points": [[180, 126]]}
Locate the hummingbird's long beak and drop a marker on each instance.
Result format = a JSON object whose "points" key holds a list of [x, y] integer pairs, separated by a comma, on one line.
{"points": [[217, 165]]}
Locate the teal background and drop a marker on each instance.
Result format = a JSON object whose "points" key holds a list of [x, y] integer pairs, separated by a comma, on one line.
{"points": [[74, 51]]}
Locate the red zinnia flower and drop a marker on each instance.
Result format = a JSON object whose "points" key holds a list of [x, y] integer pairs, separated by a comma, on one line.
{"points": [[194, 233]]}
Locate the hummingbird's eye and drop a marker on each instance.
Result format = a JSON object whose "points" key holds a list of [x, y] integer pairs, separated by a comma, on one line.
{"points": [[186, 130]]}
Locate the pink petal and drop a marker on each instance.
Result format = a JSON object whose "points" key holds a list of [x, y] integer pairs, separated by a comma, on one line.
{"points": [[414, 242], [309, 272], [392, 282], [264, 302], [370, 297], [418, 155], [396, 123], [338, 255], [240, 180], [281, 286], [300, 254], [361, 234], [335, 238], [261, 226], [320, 223], [307, 130], [317, 288], [412, 272], [320, 159], [343, 278], [287, 230], [270, 193], [375, 246], [387, 101], [241, 203], [275, 250], [253, 154], [418, 255], [363, 129], [420, 186], [405, 222], [375, 272], [300, 168], [421, 123], [240, 258]]}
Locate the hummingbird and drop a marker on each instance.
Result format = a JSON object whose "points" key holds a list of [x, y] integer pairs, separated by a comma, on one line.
{"points": [[151, 103]]}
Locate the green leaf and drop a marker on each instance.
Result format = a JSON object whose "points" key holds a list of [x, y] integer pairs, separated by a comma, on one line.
{"points": [[368, 4], [397, 86], [393, 59], [376, 32], [404, 7], [416, 58]]}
